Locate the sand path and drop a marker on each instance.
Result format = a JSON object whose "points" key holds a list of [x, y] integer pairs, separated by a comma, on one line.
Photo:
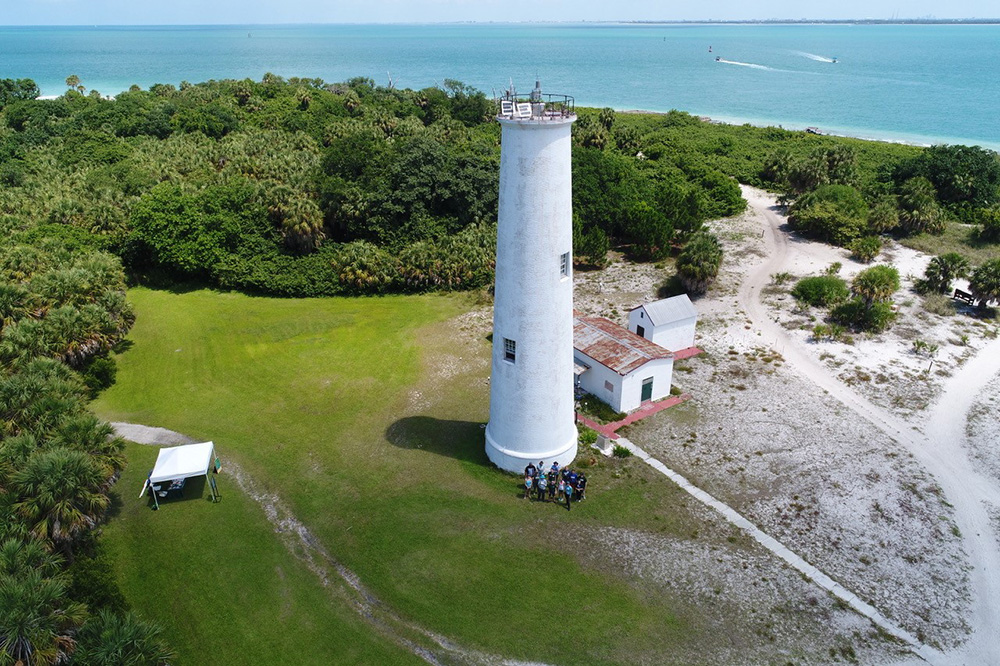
{"points": [[334, 576], [937, 442]]}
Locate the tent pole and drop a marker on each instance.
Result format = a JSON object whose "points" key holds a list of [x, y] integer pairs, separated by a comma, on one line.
{"points": [[156, 502]]}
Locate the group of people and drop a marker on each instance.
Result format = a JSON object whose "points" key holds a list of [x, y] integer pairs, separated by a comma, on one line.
{"points": [[554, 484]]}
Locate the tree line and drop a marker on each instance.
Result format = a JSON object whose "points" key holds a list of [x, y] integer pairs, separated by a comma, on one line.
{"points": [[298, 187], [62, 309]]}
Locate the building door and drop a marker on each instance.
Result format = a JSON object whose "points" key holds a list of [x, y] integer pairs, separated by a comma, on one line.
{"points": [[640, 331], [647, 389]]}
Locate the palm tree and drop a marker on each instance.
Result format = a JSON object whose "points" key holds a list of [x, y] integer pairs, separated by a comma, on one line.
{"points": [[85, 432], [72, 81], [875, 284], [36, 619], [698, 263], [109, 639], [918, 207], [942, 270], [985, 282], [60, 495]]}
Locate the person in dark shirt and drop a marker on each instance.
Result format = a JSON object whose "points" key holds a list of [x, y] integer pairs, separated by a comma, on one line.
{"points": [[553, 481], [530, 470], [581, 484], [569, 496]]}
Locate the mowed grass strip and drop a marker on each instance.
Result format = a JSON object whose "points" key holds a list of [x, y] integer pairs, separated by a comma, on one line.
{"points": [[364, 416], [224, 587]]}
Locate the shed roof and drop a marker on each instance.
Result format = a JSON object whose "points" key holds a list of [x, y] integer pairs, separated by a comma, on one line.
{"points": [[612, 346], [669, 310]]}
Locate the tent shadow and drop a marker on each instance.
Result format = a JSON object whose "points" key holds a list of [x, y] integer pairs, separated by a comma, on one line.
{"points": [[462, 440], [196, 488]]}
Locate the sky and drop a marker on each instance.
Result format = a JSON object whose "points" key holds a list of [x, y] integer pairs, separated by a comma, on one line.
{"points": [[135, 12]]}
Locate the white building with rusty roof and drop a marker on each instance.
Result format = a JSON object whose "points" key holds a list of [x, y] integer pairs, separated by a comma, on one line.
{"points": [[617, 366]]}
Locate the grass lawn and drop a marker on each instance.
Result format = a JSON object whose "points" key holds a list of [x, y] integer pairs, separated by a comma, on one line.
{"points": [[364, 416], [960, 238]]}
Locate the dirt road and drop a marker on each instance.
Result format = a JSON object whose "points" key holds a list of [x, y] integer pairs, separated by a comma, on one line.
{"points": [[935, 441]]}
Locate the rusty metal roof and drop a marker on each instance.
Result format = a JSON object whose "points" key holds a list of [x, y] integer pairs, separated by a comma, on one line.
{"points": [[613, 346]]}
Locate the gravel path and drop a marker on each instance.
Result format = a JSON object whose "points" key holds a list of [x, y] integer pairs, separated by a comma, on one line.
{"points": [[938, 446]]}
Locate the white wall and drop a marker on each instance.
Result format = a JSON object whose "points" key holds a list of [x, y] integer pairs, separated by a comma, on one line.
{"points": [[628, 389], [661, 370], [531, 399], [673, 336], [592, 381]]}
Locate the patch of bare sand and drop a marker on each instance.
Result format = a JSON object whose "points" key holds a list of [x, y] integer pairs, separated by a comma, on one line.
{"points": [[982, 431], [843, 496], [756, 609], [888, 368]]}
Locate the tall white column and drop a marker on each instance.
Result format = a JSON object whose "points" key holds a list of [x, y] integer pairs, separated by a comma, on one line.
{"points": [[531, 388]]}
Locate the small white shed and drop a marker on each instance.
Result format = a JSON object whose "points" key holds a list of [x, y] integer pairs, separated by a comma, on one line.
{"points": [[617, 366], [669, 323]]}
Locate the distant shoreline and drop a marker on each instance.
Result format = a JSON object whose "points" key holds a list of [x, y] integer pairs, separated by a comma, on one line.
{"points": [[840, 134], [643, 22]]}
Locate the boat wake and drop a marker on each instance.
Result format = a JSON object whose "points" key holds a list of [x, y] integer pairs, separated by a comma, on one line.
{"points": [[813, 56], [745, 64]]}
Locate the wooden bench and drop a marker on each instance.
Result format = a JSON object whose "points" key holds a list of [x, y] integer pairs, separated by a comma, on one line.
{"points": [[964, 296]]}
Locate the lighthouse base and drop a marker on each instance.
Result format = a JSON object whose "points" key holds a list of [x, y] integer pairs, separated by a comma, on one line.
{"points": [[515, 461]]}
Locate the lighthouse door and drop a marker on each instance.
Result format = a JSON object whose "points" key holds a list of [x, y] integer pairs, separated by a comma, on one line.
{"points": [[647, 389]]}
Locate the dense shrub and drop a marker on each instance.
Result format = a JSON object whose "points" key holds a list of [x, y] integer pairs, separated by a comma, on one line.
{"points": [[821, 291], [862, 317], [866, 249], [988, 220], [834, 213]]}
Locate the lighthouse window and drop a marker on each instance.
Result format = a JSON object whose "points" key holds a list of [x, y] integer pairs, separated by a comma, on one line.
{"points": [[509, 350], [564, 264]]}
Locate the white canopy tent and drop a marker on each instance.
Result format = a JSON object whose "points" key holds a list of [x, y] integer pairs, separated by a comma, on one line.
{"points": [[181, 462]]}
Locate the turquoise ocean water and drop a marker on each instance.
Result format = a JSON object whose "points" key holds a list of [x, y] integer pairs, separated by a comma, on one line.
{"points": [[917, 83]]}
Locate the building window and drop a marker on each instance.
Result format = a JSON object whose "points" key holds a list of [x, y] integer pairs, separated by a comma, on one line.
{"points": [[509, 350], [564, 264], [608, 386]]}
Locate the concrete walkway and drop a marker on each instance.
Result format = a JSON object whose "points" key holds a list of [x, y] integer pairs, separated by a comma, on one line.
{"points": [[809, 571], [609, 430]]}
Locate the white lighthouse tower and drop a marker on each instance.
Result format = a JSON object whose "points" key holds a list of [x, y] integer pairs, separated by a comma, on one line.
{"points": [[531, 389]]}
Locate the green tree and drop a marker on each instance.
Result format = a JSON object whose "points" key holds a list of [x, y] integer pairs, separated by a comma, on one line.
{"points": [[941, 271], [883, 216], [985, 282], [595, 247], [73, 81], [37, 621], [61, 494], [699, 262], [918, 207], [110, 639], [988, 220], [965, 178], [876, 284]]}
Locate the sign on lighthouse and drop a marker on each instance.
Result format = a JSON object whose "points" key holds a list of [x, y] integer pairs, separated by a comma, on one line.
{"points": [[531, 387]]}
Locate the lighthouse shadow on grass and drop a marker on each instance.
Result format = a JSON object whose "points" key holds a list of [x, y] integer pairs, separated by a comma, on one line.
{"points": [[462, 440]]}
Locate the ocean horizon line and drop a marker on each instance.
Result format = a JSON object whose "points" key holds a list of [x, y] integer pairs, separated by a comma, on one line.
{"points": [[968, 20]]}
